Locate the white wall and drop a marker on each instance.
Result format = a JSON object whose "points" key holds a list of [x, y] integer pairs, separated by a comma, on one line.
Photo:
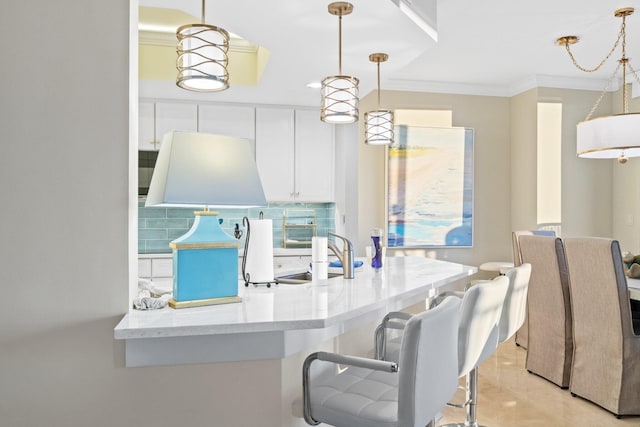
{"points": [[626, 199], [523, 134], [489, 117], [63, 169], [586, 183]]}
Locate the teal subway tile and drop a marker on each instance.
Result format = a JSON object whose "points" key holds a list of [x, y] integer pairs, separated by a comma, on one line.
{"points": [[141, 246], [181, 212], [174, 233], [152, 212], [157, 246], [152, 233], [324, 222], [235, 213], [324, 231], [142, 223], [182, 223], [273, 213]]}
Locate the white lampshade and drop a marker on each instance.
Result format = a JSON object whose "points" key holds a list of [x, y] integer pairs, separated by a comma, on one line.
{"points": [[609, 137], [339, 99], [378, 126], [202, 58], [197, 169]]}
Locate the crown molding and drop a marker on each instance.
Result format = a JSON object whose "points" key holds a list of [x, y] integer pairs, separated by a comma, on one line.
{"points": [[445, 87], [528, 83]]}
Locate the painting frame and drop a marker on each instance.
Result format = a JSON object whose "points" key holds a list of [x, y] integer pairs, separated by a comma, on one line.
{"points": [[430, 188]]}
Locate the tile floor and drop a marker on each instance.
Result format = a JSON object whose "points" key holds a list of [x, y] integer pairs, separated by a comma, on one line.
{"points": [[510, 396]]}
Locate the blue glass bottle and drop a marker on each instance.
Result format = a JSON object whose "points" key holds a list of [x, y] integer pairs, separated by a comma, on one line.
{"points": [[376, 259]]}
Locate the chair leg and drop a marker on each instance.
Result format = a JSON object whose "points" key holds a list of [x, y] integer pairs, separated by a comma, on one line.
{"points": [[471, 397]]}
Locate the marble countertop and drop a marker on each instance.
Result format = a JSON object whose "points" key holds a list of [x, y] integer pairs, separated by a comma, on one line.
{"points": [[335, 305]]}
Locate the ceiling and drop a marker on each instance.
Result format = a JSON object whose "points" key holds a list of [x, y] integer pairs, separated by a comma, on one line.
{"points": [[489, 47]]}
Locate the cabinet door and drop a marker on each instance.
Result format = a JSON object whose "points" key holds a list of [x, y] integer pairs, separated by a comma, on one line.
{"points": [[314, 158], [228, 120], [175, 116], [146, 122], [275, 152]]}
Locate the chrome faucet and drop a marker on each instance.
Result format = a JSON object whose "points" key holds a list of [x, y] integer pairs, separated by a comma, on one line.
{"points": [[347, 255]]}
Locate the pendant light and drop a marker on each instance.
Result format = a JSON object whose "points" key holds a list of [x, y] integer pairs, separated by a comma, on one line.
{"points": [[378, 124], [202, 57], [615, 136], [339, 102]]}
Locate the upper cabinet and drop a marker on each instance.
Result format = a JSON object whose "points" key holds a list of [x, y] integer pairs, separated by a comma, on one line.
{"points": [[314, 162], [294, 149], [228, 120], [275, 152], [295, 155], [158, 118]]}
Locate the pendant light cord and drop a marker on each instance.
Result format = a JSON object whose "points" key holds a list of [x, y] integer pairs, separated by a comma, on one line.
{"points": [[624, 60], [340, 44], [202, 12], [378, 85]]}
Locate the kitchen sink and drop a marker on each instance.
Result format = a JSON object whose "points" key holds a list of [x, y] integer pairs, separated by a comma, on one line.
{"points": [[299, 278]]}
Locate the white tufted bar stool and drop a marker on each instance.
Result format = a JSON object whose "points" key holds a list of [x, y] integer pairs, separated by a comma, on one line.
{"points": [[376, 393], [480, 312]]}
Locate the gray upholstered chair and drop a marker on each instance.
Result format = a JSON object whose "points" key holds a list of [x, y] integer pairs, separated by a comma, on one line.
{"points": [[482, 306], [550, 346], [370, 393], [522, 335], [606, 360]]}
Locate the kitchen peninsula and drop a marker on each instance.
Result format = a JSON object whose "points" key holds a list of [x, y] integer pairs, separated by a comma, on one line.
{"points": [[276, 322]]}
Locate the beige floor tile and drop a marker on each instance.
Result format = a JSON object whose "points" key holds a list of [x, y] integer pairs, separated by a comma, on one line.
{"points": [[510, 396]]}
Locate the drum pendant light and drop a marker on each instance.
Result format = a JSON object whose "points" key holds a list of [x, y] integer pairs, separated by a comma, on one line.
{"points": [[339, 103], [202, 57], [378, 124], [614, 136]]}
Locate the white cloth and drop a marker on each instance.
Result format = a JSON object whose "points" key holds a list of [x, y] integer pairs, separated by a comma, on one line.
{"points": [[151, 296]]}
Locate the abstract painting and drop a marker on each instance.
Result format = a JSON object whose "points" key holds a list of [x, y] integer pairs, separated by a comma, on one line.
{"points": [[430, 187]]}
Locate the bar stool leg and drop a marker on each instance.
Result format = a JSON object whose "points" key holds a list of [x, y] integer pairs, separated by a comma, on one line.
{"points": [[471, 400]]}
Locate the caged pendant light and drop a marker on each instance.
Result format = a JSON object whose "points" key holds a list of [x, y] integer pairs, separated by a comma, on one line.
{"points": [[339, 103], [378, 123], [615, 136], [202, 57]]}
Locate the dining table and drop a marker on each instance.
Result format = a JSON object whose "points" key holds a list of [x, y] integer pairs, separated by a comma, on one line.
{"points": [[634, 288]]}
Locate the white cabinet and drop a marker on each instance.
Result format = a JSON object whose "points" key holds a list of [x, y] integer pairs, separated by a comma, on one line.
{"points": [[147, 140], [294, 149], [275, 152], [295, 155], [228, 120], [314, 164], [155, 267], [158, 118]]}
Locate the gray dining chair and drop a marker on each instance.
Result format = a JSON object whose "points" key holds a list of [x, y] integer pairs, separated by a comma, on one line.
{"points": [[606, 359], [550, 346], [522, 335], [361, 392]]}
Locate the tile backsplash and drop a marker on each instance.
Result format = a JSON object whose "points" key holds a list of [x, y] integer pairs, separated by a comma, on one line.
{"points": [[159, 226]]}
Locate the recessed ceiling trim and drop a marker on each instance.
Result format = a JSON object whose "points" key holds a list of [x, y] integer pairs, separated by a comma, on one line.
{"points": [[424, 15]]}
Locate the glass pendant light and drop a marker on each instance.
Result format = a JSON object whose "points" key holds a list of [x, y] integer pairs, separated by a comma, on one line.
{"points": [[339, 102], [378, 124], [202, 57]]}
